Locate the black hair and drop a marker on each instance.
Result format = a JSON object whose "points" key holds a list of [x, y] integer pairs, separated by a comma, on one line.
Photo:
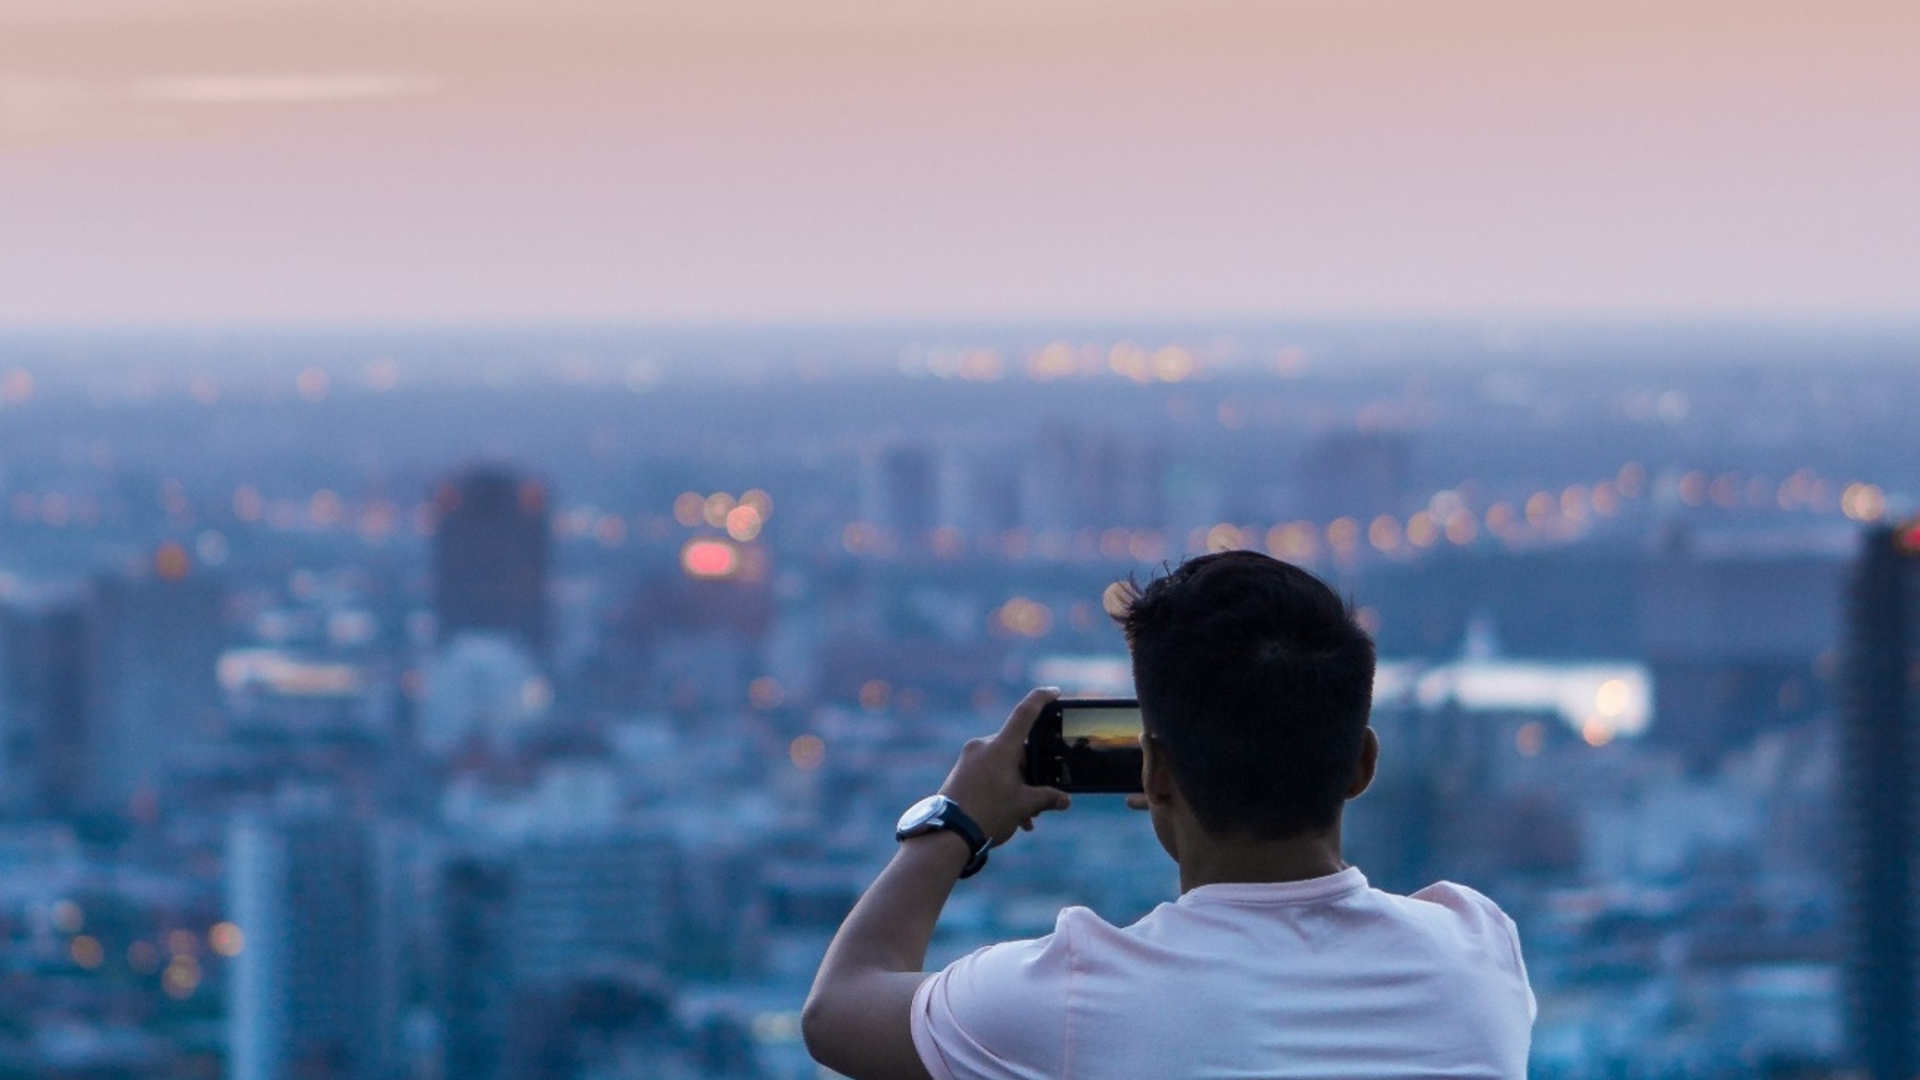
{"points": [[1256, 682]]}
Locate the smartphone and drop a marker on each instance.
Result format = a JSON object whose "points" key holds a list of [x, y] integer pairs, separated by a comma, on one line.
{"points": [[1086, 745]]}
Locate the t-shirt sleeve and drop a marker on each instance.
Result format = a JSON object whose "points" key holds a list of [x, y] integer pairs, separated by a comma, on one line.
{"points": [[1485, 917], [999, 1012]]}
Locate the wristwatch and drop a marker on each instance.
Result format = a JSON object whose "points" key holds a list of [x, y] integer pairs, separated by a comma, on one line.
{"points": [[936, 812]]}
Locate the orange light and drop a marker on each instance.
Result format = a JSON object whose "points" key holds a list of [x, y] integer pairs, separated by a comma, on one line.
{"points": [[1539, 507], [86, 952], [171, 561], [710, 559], [226, 939], [1422, 530], [68, 917], [181, 978], [1343, 534], [1597, 731], [1863, 502], [1027, 618], [1295, 541], [1384, 533], [1573, 502], [1461, 527], [1530, 739], [382, 375], [689, 509], [1630, 477], [1171, 364], [875, 694], [325, 508], [807, 752], [610, 530], [765, 692], [1147, 545], [743, 522], [312, 384], [17, 386], [1606, 498]]}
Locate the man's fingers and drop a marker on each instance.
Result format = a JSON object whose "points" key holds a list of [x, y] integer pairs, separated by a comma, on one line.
{"points": [[1020, 720], [1043, 799], [1136, 802]]}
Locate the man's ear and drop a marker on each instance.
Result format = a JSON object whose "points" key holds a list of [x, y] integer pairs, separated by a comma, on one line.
{"points": [[1369, 761], [1155, 776]]}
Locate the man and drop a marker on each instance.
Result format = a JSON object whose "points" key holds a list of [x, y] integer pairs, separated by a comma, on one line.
{"points": [[1278, 960]]}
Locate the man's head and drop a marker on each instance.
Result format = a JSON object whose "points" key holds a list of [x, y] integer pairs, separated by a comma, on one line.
{"points": [[1255, 683]]}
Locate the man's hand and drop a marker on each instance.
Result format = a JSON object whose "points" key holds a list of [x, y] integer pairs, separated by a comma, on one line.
{"points": [[858, 1019], [986, 781]]}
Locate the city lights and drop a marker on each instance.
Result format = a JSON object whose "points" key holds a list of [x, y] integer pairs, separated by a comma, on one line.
{"points": [[710, 559], [1027, 618], [226, 939], [87, 952], [610, 733], [808, 752]]}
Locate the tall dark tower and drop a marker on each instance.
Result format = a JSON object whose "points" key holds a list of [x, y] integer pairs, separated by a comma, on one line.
{"points": [[1878, 759], [490, 555]]}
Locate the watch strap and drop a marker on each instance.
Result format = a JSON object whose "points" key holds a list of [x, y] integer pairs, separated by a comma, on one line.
{"points": [[967, 829], [957, 821]]}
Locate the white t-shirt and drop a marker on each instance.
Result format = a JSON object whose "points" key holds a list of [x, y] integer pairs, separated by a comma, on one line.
{"points": [[1299, 980]]}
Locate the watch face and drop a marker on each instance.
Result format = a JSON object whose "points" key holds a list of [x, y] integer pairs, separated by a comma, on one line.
{"points": [[921, 813]]}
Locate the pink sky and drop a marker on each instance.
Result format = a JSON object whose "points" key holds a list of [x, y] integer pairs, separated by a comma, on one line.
{"points": [[344, 160]]}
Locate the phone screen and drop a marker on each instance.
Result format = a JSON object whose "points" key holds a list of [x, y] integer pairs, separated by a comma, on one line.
{"points": [[1103, 728], [1090, 744]]}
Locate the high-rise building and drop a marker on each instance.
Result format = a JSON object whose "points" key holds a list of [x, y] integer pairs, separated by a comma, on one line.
{"points": [[476, 980], [156, 637], [101, 683], [1880, 767], [1354, 474], [316, 991], [900, 489], [583, 900], [46, 712], [1096, 480], [490, 555], [1733, 639]]}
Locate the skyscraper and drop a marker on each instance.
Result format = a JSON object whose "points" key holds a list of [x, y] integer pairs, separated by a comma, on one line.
{"points": [[590, 898], [46, 714], [316, 990], [475, 987], [156, 638], [490, 555], [101, 683], [1878, 775]]}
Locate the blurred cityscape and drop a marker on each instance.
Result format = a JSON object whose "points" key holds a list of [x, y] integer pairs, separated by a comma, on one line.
{"points": [[482, 705]]}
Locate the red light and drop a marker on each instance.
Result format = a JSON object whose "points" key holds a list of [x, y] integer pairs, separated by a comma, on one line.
{"points": [[1906, 540], [710, 559]]}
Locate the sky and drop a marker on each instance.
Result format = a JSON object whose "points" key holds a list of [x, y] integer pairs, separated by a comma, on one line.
{"points": [[341, 161]]}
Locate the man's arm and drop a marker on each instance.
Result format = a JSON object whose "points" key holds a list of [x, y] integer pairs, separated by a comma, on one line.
{"points": [[857, 1020]]}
